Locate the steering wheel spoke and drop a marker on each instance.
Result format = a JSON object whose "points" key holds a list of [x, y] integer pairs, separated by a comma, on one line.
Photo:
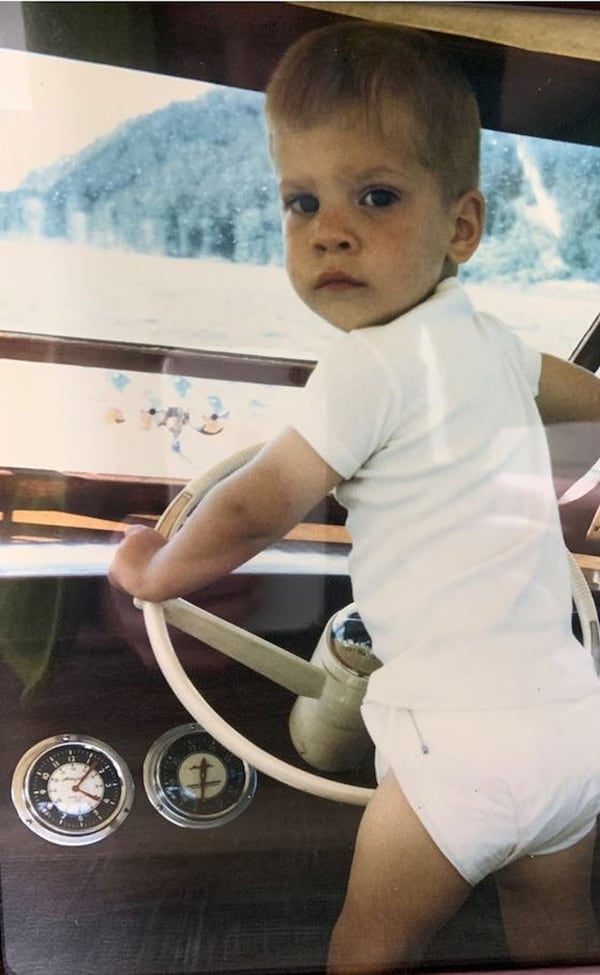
{"points": [[280, 666]]}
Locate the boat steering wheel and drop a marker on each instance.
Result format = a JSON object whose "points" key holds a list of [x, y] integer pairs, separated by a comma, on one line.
{"points": [[329, 687]]}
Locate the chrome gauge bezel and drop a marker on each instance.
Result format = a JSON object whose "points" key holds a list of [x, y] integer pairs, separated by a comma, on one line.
{"points": [[45, 818], [169, 757]]}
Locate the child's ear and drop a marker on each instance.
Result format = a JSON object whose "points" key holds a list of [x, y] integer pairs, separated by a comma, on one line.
{"points": [[469, 217]]}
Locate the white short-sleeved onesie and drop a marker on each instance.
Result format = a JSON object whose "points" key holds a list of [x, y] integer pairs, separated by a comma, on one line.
{"points": [[458, 564]]}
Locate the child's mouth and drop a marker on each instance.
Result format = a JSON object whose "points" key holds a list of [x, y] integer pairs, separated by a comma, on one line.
{"points": [[337, 281]]}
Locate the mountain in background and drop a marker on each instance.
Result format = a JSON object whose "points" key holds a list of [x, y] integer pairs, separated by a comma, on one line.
{"points": [[194, 180], [543, 210], [190, 180]]}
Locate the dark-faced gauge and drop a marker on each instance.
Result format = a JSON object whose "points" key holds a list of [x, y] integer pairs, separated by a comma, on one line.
{"points": [[72, 789], [194, 781]]}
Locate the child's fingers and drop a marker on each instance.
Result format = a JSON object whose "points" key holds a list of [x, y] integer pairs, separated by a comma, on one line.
{"points": [[132, 558], [131, 529]]}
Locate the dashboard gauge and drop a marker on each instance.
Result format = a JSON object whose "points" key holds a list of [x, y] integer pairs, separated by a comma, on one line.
{"points": [[195, 782], [72, 790]]}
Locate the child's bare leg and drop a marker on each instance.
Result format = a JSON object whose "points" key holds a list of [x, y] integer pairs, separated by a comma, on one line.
{"points": [[546, 906], [401, 890]]}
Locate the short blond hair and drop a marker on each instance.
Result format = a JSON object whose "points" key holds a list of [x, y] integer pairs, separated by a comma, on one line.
{"points": [[357, 64]]}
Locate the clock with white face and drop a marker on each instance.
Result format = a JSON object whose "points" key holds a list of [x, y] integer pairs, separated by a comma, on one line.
{"points": [[72, 789]]}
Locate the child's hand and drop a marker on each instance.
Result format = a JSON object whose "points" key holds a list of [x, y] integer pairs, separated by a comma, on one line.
{"points": [[131, 564]]}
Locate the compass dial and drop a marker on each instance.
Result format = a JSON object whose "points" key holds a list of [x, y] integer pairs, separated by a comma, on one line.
{"points": [[195, 782], [72, 790]]}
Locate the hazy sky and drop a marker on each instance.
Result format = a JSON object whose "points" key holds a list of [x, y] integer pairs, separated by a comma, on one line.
{"points": [[52, 107]]}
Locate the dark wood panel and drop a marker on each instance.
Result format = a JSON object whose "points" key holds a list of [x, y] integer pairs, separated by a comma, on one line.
{"points": [[257, 895], [201, 364], [115, 499], [260, 892]]}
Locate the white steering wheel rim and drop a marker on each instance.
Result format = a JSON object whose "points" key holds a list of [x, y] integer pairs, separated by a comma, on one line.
{"points": [[189, 695], [193, 701]]}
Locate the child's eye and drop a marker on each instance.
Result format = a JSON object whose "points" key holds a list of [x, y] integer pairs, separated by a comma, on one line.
{"points": [[379, 197], [302, 203]]}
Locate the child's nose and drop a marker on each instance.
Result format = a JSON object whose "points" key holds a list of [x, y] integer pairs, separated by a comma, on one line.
{"points": [[331, 231]]}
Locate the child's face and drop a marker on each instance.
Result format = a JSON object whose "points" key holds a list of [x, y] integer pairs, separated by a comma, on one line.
{"points": [[367, 233]]}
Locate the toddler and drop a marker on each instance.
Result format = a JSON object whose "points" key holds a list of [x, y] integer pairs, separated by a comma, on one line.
{"points": [[426, 419]]}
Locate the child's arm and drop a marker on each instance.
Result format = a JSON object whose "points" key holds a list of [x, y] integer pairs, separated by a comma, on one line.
{"points": [[567, 393], [238, 518]]}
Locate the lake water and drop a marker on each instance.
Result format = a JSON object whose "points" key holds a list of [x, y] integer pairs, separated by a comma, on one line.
{"points": [[85, 419]]}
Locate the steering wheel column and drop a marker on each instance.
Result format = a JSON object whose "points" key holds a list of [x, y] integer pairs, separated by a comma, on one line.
{"points": [[328, 731]]}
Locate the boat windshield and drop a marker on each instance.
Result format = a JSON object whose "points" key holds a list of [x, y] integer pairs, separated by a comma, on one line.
{"points": [[142, 208]]}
